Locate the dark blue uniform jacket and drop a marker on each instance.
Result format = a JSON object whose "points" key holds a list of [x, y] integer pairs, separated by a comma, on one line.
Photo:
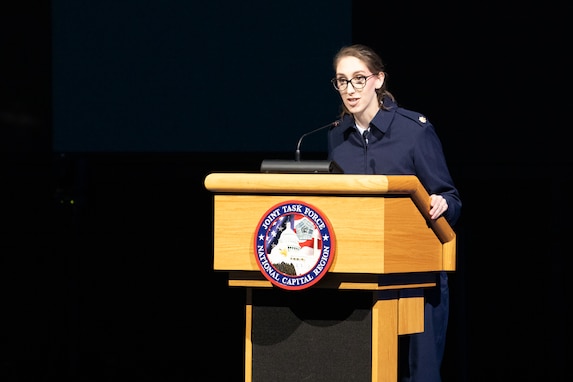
{"points": [[400, 142]]}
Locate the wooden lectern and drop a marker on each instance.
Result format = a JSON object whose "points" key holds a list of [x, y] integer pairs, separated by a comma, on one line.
{"points": [[387, 248]]}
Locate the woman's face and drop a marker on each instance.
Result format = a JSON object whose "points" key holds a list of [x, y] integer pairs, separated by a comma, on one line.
{"points": [[357, 100]]}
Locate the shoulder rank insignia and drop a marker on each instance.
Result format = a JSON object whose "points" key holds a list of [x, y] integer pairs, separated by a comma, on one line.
{"points": [[422, 119]]}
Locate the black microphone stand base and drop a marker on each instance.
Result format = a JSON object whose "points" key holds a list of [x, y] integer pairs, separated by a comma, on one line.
{"points": [[300, 167]]}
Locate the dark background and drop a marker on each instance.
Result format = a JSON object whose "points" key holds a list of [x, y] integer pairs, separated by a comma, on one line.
{"points": [[175, 75], [106, 270]]}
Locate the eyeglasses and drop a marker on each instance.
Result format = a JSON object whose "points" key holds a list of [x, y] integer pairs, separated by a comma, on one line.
{"points": [[357, 82]]}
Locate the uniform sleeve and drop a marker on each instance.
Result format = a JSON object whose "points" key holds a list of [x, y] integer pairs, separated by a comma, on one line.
{"points": [[433, 172]]}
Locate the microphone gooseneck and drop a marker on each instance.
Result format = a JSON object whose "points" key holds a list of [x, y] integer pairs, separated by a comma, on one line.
{"points": [[297, 151]]}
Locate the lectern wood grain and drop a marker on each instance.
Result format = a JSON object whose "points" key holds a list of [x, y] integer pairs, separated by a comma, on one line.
{"points": [[385, 247]]}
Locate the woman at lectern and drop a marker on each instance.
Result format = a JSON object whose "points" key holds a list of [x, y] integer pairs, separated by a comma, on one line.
{"points": [[377, 136]]}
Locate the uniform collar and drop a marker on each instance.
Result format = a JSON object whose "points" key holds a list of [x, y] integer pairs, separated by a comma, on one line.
{"points": [[381, 120]]}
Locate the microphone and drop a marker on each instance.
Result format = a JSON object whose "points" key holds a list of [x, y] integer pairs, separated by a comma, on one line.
{"points": [[297, 152], [303, 167]]}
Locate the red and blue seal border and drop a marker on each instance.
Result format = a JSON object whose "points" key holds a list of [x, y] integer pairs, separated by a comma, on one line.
{"points": [[321, 222]]}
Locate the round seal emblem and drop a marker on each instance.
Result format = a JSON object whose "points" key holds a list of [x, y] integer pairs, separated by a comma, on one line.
{"points": [[294, 245]]}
